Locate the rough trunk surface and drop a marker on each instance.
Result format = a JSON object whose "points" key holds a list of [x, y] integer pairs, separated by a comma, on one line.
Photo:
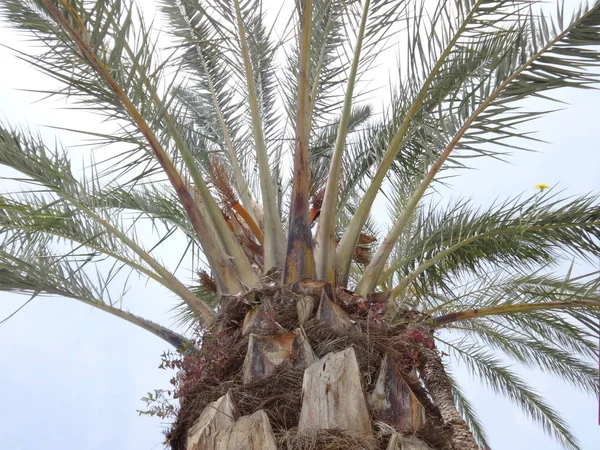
{"points": [[267, 354], [217, 416], [248, 433], [332, 396], [273, 373], [393, 402], [437, 383], [334, 316], [305, 307], [260, 320]]}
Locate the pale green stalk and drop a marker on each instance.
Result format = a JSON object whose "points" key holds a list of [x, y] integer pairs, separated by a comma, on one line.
{"points": [[325, 251], [377, 264], [511, 309], [274, 248], [348, 242]]}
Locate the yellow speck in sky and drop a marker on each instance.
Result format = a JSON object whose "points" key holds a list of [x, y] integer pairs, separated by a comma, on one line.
{"points": [[542, 186]]}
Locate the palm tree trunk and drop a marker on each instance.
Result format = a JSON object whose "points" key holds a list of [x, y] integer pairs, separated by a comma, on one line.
{"points": [[314, 367], [439, 388]]}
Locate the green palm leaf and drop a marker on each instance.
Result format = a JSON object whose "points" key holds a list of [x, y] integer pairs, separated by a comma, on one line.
{"points": [[502, 380], [278, 116]]}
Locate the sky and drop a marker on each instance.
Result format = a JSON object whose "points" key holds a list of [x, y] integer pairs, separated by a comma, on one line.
{"points": [[72, 377]]}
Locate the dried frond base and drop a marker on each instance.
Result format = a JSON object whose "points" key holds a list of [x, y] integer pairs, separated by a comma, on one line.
{"points": [[280, 395], [326, 440]]}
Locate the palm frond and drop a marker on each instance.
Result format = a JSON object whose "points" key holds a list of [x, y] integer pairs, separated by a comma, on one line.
{"points": [[84, 66], [544, 325], [322, 147], [581, 32], [502, 380], [326, 66], [212, 107], [506, 289], [30, 269], [467, 411], [473, 23], [535, 354], [31, 217], [519, 233], [32, 158]]}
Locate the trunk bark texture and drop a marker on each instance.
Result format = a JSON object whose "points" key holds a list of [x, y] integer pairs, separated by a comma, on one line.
{"points": [[439, 388], [315, 367]]}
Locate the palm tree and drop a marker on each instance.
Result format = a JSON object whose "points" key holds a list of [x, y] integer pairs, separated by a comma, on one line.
{"points": [[307, 327]]}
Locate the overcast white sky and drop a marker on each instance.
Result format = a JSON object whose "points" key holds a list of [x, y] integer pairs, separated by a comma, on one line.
{"points": [[72, 377]]}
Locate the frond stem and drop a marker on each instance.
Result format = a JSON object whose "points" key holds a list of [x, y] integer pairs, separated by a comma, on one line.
{"points": [[350, 238], [274, 237], [299, 262], [325, 259], [371, 274], [511, 309]]}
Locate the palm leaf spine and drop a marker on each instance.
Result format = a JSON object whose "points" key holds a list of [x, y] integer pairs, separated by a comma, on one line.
{"points": [[347, 244], [447, 319], [441, 255], [300, 263], [373, 270], [274, 248], [325, 239]]}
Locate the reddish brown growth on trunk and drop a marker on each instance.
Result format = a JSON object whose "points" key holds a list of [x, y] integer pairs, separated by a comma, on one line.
{"points": [[207, 282], [317, 202], [221, 180]]}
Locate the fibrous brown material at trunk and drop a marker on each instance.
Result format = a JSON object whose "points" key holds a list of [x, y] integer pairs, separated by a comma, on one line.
{"points": [[436, 381], [265, 368], [327, 440]]}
